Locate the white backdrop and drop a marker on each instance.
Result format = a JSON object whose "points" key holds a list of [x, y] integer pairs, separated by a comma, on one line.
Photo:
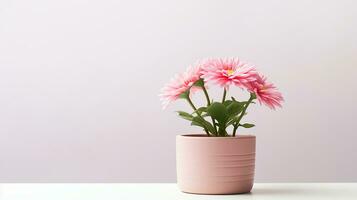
{"points": [[79, 81]]}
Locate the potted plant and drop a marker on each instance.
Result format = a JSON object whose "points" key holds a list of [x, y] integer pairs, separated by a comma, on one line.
{"points": [[218, 161]]}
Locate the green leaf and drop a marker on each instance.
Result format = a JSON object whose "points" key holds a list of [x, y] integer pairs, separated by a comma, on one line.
{"points": [[246, 125], [200, 110], [219, 112], [234, 108], [185, 115], [241, 102], [227, 102], [232, 121], [199, 121], [194, 123], [204, 115]]}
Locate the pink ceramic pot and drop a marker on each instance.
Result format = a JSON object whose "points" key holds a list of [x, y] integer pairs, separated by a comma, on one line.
{"points": [[215, 165]]}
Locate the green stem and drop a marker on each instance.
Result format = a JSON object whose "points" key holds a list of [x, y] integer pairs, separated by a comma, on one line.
{"points": [[209, 103], [224, 95], [195, 109], [214, 125], [206, 94], [242, 114], [235, 129], [191, 104]]}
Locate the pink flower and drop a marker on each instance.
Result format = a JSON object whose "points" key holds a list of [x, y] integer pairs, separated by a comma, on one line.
{"points": [[180, 84], [266, 92], [228, 71]]}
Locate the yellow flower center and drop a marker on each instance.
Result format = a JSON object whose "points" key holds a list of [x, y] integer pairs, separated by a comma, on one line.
{"points": [[263, 88], [230, 72]]}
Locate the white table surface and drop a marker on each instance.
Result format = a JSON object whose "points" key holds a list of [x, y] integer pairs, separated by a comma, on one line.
{"points": [[169, 191]]}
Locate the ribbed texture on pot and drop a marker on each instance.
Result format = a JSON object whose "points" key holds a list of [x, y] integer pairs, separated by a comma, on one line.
{"points": [[215, 165]]}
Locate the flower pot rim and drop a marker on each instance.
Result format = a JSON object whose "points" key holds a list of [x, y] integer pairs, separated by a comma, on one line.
{"points": [[204, 136]]}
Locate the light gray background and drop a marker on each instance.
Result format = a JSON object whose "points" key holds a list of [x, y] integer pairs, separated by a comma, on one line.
{"points": [[79, 82]]}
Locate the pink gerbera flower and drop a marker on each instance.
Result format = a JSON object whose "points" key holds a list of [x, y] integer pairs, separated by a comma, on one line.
{"points": [[229, 71], [180, 84], [266, 92]]}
